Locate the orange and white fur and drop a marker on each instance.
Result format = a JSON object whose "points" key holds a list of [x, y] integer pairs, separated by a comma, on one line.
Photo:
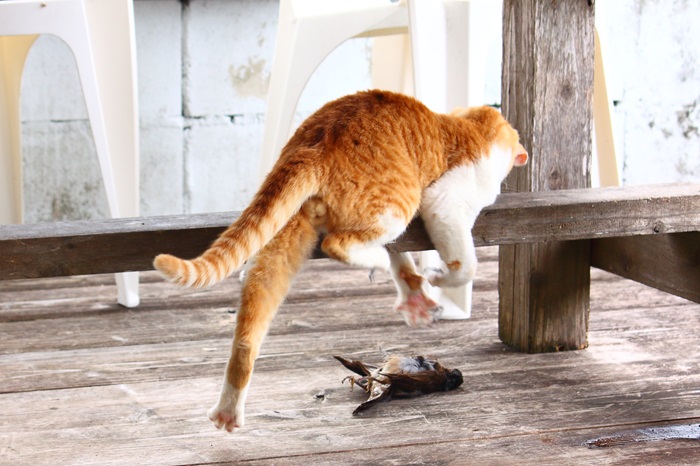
{"points": [[357, 171]]}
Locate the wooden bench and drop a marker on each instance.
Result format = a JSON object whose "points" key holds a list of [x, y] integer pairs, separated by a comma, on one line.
{"points": [[650, 234]]}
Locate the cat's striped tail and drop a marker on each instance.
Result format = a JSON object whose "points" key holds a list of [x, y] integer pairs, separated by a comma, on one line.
{"points": [[282, 194]]}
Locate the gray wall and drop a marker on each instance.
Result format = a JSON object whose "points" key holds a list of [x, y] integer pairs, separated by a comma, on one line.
{"points": [[654, 49], [203, 74]]}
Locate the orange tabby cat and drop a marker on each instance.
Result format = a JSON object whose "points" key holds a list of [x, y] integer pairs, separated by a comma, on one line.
{"points": [[357, 170]]}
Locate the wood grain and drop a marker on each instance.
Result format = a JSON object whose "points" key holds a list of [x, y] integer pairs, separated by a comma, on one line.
{"points": [[547, 84]]}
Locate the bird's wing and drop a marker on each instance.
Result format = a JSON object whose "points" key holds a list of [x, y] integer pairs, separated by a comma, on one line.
{"points": [[417, 382], [379, 392]]}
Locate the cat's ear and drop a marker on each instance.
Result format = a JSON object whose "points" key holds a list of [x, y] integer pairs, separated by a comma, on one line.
{"points": [[520, 156]]}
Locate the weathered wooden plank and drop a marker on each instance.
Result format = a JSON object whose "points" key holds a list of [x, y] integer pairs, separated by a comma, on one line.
{"points": [[164, 423], [287, 418], [94, 294], [170, 313], [669, 263], [84, 247], [184, 335], [573, 214], [138, 358], [118, 245], [524, 217], [645, 443], [547, 85], [142, 398]]}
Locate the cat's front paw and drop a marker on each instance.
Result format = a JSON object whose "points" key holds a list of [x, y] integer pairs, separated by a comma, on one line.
{"points": [[418, 310], [226, 417]]}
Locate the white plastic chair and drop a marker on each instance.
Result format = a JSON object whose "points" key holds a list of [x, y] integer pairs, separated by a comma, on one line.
{"points": [[101, 37], [447, 43], [309, 30]]}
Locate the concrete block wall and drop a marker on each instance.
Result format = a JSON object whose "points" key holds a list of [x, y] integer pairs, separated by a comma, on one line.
{"points": [[654, 49], [159, 55], [204, 67]]}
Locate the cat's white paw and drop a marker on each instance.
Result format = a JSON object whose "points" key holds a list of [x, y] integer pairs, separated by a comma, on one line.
{"points": [[226, 418], [418, 310], [229, 412]]}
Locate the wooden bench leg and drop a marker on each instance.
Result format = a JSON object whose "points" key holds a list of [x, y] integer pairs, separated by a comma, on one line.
{"points": [[547, 90], [544, 295]]}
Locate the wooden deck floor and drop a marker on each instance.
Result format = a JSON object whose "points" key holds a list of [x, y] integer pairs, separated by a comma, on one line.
{"points": [[83, 381]]}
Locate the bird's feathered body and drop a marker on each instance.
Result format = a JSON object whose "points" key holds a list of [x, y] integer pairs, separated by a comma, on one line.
{"points": [[401, 377]]}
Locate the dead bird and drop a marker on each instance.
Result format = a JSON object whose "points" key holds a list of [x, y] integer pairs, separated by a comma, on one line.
{"points": [[400, 377]]}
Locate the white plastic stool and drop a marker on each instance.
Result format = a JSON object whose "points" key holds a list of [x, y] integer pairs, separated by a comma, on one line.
{"points": [[100, 34], [446, 40]]}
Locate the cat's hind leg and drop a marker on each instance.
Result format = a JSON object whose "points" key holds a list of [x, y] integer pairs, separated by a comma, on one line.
{"points": [[413, 301], [266, 284], [364, 247]]}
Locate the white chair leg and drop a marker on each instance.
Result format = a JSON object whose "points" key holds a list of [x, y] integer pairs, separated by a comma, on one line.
{"points": [[13, 52], [429, 47], [430, 41], [469, 31], [114, 55], [392, 64], [608, 172], [294, 61], [104, 53], [449, 41], [128, 289]]}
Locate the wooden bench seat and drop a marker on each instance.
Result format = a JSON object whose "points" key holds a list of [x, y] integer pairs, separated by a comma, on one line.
{"points": [[119, 245], [650, 234]]}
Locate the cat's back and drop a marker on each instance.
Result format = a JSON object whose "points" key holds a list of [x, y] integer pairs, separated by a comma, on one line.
{"points": [[361, 142], [366, 118]]}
